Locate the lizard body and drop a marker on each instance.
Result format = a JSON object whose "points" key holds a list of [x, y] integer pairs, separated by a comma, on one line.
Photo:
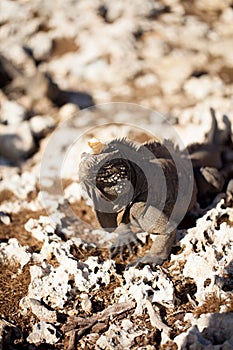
{"points": [[133, 184]]}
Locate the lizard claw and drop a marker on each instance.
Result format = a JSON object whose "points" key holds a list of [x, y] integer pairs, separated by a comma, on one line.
{"points": [[124, 241], [148, 259]]}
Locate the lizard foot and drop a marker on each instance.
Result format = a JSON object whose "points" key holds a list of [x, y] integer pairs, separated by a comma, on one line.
{"points": [[147, 260], [125, 241]]}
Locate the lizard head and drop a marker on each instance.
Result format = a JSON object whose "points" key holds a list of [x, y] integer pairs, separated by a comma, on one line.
{"points": [[107, 178]]}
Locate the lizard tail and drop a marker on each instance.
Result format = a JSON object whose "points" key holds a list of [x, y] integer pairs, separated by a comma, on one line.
{"points": [[212, 137]]}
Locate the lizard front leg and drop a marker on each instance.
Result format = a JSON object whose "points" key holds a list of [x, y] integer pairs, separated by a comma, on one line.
{"points": [[153, 221], [125, 240], [159, 252]]}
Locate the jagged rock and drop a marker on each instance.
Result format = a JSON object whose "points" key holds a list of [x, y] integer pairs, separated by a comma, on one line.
{"points": [[19, 185], [16, 141], [201, 87], [12, 113], [41, 46], [202, 258], [13, 251], [42, 312], [68, 111], [121, 336], [41, 125], [138, 287], [44, 332]]}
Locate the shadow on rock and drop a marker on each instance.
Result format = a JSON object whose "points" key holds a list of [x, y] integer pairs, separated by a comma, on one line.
{"points": [[226, 282], [81, 99], [15, 83], [212, 331]]}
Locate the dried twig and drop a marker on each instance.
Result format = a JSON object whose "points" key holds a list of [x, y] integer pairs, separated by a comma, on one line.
{"points": [[156, 322], [72, 340], [84, 324]]}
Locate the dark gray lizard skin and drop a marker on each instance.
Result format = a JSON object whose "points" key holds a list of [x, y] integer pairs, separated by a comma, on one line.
{"points": [[212, 161], [133, 184]]}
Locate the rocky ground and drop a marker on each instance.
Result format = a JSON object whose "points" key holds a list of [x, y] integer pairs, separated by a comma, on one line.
{"points": [[59, 288]]}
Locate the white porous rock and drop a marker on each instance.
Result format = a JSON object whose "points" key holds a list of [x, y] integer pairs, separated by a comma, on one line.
{"points": [[41, 125], [15, 206], [52, 283], [44, 332], [200, 270], [146, 80], [53, 202], [220, 48], [68, 111], [12, 113], [207, 252], [92, 61], [120, 336], [222, 27], [114, 11], [20, 185], [18, 56], [153, 48], [200, 88], [43, 313], [41, 45], [197, 30], [173, 70], [73, 192], [8, 11], [12, 251], [134, 10], [54, 246], [16, 141], [41, 228], [49, 284], [100, 273], [144, 284]]}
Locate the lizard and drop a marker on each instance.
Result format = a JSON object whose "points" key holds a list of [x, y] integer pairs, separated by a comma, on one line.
{"points": [[138, 184], [212, 161]]}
